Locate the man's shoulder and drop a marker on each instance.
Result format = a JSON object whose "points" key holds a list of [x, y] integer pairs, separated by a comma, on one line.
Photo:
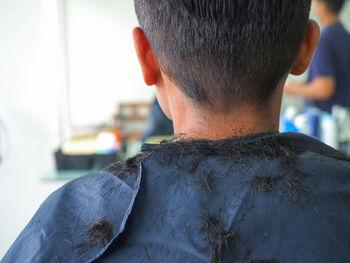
{"points": [[80, 220], [334, 35], [315, 149]]}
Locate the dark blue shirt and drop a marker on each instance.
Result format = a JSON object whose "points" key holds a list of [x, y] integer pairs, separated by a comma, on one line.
{"points": [[332, 59]]}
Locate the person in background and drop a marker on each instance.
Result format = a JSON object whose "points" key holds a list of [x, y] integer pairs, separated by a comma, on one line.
{"points": [[158, 124], [328, 82], [229, 187]]}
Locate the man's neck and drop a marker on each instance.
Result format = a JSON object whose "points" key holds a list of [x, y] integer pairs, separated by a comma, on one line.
{"points": [[329, 20], [195, 123], [201, 125]]}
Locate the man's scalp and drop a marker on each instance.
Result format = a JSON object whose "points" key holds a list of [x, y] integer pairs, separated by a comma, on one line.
{"points": [[224, 53]]}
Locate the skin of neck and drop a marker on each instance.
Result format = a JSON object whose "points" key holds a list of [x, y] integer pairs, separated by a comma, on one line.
{"points": [[329, 19], [195, 122], [322, 11]]}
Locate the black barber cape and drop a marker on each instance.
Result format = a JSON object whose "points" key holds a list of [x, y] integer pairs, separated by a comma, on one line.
{"points": [[263, 198]]}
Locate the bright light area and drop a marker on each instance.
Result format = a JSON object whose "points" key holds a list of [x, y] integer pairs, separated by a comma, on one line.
{"points": [[102, 64]]}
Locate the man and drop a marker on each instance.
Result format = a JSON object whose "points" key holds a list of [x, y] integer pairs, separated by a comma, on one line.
{"points": [[329, 79], [229, 188]]}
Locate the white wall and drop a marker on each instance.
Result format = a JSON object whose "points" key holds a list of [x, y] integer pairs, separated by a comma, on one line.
{"points": [[103, 68], [29, 82], [345, 15]]}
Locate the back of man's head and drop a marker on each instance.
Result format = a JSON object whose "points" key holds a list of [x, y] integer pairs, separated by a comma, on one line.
{"points": [[334, 6], [225, 53]]}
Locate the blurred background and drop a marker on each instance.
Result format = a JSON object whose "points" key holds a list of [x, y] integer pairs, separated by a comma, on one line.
{"points": [[72, 98]]}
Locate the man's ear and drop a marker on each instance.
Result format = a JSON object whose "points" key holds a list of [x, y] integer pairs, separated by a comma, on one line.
{"points": [[307, 49], [149, 66]]}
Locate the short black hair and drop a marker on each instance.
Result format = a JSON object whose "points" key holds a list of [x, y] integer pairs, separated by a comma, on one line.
{"points": [[334, 6], [223, 53]]}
